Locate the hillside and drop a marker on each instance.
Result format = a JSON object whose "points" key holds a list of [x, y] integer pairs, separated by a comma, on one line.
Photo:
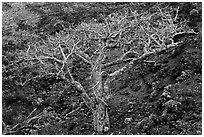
{"points": [[158, 93]]}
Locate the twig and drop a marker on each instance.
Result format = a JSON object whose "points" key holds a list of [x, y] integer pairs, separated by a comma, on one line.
{"points": [[72, 50], [177, 10], [120, 70], [51, 58], [31, 112], [35, 117], [62, 52], [94, 85], [39, 59], [72, 78], [130, 51], [27, 52], [75, 110], [151, 37], [81, 55], [9, 132]]}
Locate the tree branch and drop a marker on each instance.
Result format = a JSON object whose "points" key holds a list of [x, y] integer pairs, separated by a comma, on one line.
{"points": [[44, 57], [120, 61], [62, 52]]}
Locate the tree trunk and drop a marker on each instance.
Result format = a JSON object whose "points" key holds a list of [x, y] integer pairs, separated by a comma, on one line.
{"points": [[100, 118], [100, 114]]}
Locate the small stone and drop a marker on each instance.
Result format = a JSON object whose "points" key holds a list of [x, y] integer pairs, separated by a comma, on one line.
{"points": [[199, 132], [131, 110], [130, 103], [127, 120], [106, 129]]}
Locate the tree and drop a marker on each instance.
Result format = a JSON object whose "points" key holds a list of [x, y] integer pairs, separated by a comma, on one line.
{"points": [[141, 34]]}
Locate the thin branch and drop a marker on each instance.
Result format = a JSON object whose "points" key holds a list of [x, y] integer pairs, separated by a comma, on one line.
{"points": [[116, 62], [118, 72], [72, 78], [130, 51], [39, 59], [62, 52], [47, 53], [27, 52], [9, 132], [87, 100], [80, 105], [63, 64], [177, 10], [83, 56], [94, 85], [101, 100], [72, 50], [38, 76], [46, 57], [31, 113], [33, 118], [151, 37]]}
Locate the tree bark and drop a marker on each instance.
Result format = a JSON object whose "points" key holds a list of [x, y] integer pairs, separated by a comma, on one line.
{"points": [[100, 114], [100, 118]]}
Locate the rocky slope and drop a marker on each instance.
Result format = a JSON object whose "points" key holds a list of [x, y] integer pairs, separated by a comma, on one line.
{"points": [[163, 96]]}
